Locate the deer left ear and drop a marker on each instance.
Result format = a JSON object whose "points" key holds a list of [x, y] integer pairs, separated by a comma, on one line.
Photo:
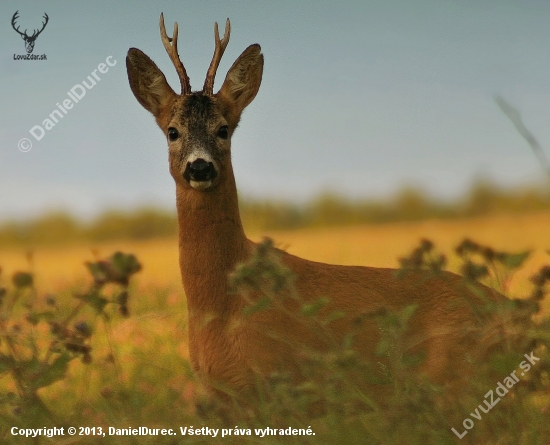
{"points": [[244, 78], [147, 82]]}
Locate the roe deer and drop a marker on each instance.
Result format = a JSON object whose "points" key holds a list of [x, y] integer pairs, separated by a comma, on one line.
{"points": [[225, 346]]}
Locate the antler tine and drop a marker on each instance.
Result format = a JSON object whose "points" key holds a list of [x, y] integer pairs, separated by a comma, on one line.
{"points": [[172, 50], [218, 53], [36, 33], [13, 20]]}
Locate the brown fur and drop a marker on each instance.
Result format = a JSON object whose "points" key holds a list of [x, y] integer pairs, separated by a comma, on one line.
{"points": [[226, 347]]}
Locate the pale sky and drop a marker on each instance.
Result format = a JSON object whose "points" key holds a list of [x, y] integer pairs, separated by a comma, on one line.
{"points": [[358, 97]]}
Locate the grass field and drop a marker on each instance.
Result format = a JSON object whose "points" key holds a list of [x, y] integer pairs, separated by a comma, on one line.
{"points": [[145, 380], [373, 245]]}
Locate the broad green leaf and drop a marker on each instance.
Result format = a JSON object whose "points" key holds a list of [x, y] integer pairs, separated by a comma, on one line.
{"points": [[95, 300], [311, 309], [35, 317], [125, 264], [22, 279], [514, 260], [6, 363], [261, 304], [53, 373]]}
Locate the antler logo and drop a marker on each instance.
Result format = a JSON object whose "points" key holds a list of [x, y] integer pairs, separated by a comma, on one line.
{"points": [[29, 40]]}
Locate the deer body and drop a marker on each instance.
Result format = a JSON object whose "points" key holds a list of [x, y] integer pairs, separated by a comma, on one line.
{"points": [[225, 346], [222, 352]]}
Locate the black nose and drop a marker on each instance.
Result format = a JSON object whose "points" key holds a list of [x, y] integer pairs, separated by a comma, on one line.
{"points": [[200, 170]]}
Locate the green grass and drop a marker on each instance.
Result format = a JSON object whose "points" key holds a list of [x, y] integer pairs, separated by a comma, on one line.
{"points": [[108, 355]]}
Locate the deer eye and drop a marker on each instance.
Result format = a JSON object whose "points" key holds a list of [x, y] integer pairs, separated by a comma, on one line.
{"points": [[173, 134], [223, 132]]}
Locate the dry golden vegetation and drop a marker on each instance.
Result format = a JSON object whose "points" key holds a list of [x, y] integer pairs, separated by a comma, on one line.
{"points": [[124, 360], [370, 245]]}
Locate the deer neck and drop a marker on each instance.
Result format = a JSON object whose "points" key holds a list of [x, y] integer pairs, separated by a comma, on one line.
{"points": [[211, 243]]}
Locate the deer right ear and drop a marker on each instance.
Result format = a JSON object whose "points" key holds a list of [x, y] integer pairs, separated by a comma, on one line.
{"points": [[147, 82], [243, 79]]}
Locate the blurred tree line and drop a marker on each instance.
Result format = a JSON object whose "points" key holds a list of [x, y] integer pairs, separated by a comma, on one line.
{"points": [[409, 204]]}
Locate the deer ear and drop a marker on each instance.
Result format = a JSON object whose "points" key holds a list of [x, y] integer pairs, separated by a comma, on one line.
{"points": [[243, 79], [147, 82]]}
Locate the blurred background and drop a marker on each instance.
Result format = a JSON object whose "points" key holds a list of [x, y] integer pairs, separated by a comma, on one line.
{"points": [[370, 112], [378, 123]]}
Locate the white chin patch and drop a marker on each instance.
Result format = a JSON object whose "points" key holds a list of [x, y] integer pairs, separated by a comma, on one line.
{"points": [[200, 185]]}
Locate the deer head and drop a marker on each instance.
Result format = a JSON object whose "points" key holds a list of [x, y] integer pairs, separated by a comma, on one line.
{"points": [[29, 40], [198, 125]]}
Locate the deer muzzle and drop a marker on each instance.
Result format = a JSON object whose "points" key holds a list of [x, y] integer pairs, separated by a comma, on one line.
{"points": [[200, 173]]}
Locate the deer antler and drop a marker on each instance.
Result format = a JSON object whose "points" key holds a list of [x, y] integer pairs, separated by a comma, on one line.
{"points": [[172, 50], [13, 19], [36, 33], [218, 53]]}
